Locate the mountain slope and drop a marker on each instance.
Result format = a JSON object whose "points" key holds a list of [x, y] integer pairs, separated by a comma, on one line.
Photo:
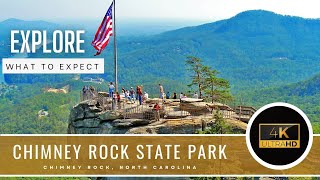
{"points": [[12, 23], [304, 94], [254, 49]]}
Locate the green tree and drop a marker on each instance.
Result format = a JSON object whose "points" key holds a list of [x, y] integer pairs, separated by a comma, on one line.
{"points": [[217, 88], [220, 127], [195, 66], [207, 81]]}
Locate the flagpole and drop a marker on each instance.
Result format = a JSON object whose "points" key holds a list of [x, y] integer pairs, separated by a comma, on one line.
{"points": [[115, 47]]}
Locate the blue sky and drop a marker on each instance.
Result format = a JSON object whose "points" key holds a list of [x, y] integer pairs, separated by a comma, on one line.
{"points": [[194, 10]]}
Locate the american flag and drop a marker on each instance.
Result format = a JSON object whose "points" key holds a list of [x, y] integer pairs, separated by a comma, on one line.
{"points": [[102, 37]]}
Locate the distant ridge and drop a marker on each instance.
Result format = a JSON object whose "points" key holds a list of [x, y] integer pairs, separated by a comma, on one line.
{"points": [[309, 87], [13, 22], [253, 49], [259, 12], [262, 12]]}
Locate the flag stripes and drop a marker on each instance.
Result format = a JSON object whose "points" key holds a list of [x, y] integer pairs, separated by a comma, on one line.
{"points": [[104, 32]]}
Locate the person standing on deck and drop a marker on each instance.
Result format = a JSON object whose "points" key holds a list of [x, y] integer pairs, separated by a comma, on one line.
{"points": [[145, 96], [92, 92], [156, 109], [168, 95], [195, 95], [111, 90], [84, 93], [161, 91], [174, 95], [139, 93], [118, 97], [123, 92], [127, 95], [132, 94], [181, 95]]}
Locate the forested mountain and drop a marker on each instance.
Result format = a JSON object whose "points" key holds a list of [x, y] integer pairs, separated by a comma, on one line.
{"points": [[253, 49], [259, 52], [304, 94]]}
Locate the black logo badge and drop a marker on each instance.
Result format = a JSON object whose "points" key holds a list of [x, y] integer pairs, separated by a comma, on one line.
{"points": [[279, 136]]}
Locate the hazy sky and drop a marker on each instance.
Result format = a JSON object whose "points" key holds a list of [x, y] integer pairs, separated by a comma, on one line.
{"points": [[207, 10]]}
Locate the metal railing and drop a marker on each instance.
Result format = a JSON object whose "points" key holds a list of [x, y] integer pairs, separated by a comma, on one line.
{"points": [[145, 111], [132, 109]]}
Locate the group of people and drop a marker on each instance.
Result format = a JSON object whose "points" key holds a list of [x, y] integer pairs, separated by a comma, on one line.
{"points": [[131, 94], [135, 94], [88, 92], [163, 95], [167, 95]]}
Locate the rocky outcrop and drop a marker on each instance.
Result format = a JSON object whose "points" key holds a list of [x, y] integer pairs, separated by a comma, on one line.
{"points": [[195, 108], [190, 100], [199, 108], [127, 123], [110, 115], [89, 117], [153, 100], [177, 114], [170, 127]]}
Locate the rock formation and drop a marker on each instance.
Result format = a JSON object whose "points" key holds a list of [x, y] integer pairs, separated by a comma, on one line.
{"points": [[89, 117]]}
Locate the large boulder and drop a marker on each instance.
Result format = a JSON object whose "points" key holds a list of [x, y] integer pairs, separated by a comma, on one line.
{"points": [[195, 108], [130, 122], [77, 113], [109, 128], [110, 115], [190, 100], [200, 108], [169, 127], [177, 114], [153, 100], [174, 104], [171, 102], [175, 100], [84, 110]]}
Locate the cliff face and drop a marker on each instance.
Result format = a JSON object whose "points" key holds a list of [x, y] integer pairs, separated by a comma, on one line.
{"points": [[88, 117]]}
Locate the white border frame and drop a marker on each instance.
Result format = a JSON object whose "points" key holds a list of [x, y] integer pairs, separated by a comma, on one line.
{"points": [[287, 166]]}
